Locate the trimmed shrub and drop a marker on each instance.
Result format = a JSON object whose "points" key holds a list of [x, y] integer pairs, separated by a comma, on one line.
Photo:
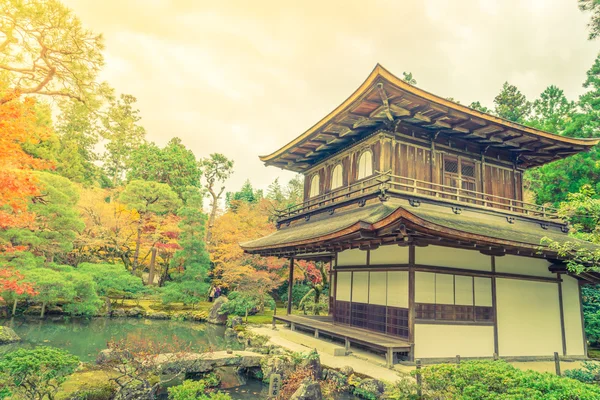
{"points": [[499, 380]]}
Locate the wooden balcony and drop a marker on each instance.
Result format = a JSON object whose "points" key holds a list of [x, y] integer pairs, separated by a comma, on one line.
{"points": [[383, 184]]}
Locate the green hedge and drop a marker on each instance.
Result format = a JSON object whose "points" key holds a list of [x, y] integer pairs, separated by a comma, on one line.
{"points": [[499, 380]]}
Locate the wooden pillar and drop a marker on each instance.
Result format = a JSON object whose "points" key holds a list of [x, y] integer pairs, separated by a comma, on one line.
{"points": [[562, 316], [290, 286], [411, 295]]}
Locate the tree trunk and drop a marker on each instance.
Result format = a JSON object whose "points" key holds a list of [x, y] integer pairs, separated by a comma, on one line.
{"points": [[14, 310], [213, 215], [152, 263], [108, 305], [246, 314], [43, 309], [138, 243]]}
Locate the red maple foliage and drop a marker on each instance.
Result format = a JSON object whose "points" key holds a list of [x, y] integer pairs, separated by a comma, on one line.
{"points": [[12, 281], [18, 127]]}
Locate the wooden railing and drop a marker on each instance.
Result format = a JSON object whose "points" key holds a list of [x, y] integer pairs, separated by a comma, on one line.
{"points": [[383, 182]]}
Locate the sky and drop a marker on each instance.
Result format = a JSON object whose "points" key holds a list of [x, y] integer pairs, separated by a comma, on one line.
{"points": [[244, 78]]}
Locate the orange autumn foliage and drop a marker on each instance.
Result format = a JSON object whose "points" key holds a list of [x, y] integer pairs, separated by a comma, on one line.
{"points": [[18, 127]]}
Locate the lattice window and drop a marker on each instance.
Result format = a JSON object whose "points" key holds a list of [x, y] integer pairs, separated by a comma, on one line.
{"points": [[467, 169], [451, 166]]}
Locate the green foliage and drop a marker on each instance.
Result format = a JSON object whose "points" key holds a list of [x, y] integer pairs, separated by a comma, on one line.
{"points": [[174, 165], [195, 390], [590, 373], [409, 78], [113, 280], [594, 7], [244, 303], [299, 290], [58, 220], [511, 104], [308, 303], [246, 194], [552, 112], [499, 380], [192, 262], [590, 296], [149, 197], [476, 105], [37, 373], [123, 134]]}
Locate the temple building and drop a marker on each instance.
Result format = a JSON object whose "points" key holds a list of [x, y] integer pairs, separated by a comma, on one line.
{"points": [[418, 204]]}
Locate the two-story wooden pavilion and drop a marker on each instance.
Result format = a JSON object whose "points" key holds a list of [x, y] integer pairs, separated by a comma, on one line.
{"points": [[418, 203]]}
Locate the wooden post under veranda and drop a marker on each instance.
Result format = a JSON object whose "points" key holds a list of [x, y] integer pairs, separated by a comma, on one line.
{"points": [[290, 286]]}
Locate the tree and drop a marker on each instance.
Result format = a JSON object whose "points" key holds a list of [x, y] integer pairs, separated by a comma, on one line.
{"points": [[594, 7], [192, 262], [123, 134], [245, 302], [57, 222], [552, 112], [246, 194], [51, 286], [511, 104], [37, 373], [45, 50], [174, 165], [148, 199], [77, 130], [217, 169], [409, 78], [12, 286], [19, 127], [113, 280], [479, 107], [552, 182]]}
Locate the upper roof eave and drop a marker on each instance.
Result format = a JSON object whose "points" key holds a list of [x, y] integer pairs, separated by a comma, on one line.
{"points": [[380, 73]]}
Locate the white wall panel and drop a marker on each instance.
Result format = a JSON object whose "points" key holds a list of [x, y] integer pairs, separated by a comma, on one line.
{"points": [[378, 288], [454, 258], [523, 265], [424, 287], [444, 289], [360, 287], [528, 318], [483, 291], [397, 289], [572, 314], [391, 254], [352, 257], [343, 286], [439, 341], [464, 290]]}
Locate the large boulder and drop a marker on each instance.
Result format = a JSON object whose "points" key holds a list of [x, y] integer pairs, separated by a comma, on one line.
{"points": [[7, 335], [158, 315], [312, 362], [308, 390], [135, 312], [277, 364], [214, 317], [109, 356]]}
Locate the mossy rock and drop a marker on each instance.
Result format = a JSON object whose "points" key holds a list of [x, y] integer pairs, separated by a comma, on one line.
{"points": [[7, 335]]}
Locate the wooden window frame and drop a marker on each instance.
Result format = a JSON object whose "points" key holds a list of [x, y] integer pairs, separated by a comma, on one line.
{"points": [[312, 183], [358, 165]]}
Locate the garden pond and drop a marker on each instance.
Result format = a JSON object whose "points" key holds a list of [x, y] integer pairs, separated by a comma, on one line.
{"points": [[85, 338]]}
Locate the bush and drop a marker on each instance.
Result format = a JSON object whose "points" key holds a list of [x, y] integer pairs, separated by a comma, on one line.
{"points": [[246, 303], [36, 373], [195, 390], [499, 380], [299, 290], [590, 373], [101, 391]]}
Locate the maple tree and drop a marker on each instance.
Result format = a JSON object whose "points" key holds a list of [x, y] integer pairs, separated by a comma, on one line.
{"points": [[19, 127]]}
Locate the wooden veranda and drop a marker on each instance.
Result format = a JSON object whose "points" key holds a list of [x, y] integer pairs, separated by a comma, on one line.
{"points": [[324, 325]]}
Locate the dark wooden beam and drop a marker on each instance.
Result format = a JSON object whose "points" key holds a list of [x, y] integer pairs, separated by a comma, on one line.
{"points": [[290, 286]]}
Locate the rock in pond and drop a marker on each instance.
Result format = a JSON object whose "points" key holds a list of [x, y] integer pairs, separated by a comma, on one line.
{"points": [[308, 390], [7, 335], [158, 315], [214, 317], [135, 312]]}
